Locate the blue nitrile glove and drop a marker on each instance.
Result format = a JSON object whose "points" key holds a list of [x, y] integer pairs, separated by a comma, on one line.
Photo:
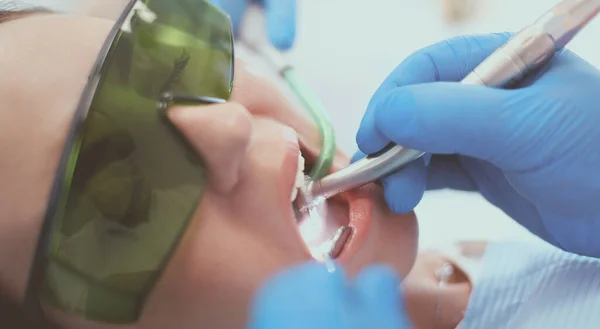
{"points": [[308, 296], [533, 151], [280, 16]]}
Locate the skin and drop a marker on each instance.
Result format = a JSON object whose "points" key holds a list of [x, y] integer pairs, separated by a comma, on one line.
{"points": [[423, 294], [103, 9], [243, 230]]}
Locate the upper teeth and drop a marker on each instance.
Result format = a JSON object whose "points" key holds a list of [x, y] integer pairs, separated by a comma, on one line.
{"points": [[299, 177]]}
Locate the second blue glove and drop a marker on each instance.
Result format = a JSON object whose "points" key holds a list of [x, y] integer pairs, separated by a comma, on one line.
{"points": [[309, 296], [280, 17]]}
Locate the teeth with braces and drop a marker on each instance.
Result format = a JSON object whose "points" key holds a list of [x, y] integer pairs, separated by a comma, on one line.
{"points": [[299, 176]]}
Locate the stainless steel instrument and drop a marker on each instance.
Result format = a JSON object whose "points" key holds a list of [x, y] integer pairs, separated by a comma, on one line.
{"points": [[529, 49]]}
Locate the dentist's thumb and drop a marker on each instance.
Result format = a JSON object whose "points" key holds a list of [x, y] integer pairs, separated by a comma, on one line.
{"points": [[449, 118]]}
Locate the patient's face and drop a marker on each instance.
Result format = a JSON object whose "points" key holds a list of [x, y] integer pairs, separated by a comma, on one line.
{"points": [[244, 229]]}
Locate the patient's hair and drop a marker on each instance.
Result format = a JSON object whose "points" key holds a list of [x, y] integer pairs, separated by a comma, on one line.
{"points": [[6, 16], [11, 10]]}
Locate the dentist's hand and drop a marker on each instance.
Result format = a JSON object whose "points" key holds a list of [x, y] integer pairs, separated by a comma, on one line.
{"points": [[308, 296], [533, 151], [280, 16]]}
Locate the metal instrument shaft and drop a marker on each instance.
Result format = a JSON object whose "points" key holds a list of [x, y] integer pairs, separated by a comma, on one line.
{"points": [[527, 50]]}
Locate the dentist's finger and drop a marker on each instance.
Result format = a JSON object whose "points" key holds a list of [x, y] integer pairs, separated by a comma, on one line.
{"points": [[305, 296], [442, 171], [446, 171], [378, 287], [449, 60], [235, 9], [404, 189], [357, 156], [281, 22], [450, 118]]}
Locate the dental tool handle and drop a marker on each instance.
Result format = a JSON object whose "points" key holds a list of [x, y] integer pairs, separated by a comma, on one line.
{"points": [[527, 50]]}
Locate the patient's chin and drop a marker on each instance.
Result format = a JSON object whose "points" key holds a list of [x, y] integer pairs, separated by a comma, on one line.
{"points": [[397, 242], [392, 241]]}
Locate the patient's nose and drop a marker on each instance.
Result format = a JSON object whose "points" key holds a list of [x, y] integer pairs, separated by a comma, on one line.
{"points": [[220, 134]]}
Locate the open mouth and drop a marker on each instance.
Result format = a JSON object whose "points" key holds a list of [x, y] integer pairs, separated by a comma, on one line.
{"points": [[332, 226]]}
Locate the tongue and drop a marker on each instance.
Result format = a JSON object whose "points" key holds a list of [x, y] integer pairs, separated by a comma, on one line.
{"points": [[319, 225]]}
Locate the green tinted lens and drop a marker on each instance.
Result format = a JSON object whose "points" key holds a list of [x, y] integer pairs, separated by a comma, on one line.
{"points": [[132, 183]]}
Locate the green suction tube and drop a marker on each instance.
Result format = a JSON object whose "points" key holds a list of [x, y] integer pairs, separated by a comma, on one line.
{"points": [[322, 166]]}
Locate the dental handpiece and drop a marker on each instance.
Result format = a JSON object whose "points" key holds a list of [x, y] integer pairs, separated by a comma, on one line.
{"points": [[527, 50]]}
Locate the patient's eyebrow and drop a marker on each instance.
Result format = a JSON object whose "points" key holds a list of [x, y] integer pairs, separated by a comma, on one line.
{"points": [[11, 15], [6, 16]]}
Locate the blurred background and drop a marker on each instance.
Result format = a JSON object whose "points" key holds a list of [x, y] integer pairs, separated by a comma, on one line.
{"points": [[345, 48]]}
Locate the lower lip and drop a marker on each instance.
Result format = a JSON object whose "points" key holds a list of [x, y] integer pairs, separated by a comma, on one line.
{"points": [[319, 225], [360, 216]]}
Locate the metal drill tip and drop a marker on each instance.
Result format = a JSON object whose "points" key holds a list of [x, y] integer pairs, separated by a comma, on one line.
{"points": [[306, 198]]}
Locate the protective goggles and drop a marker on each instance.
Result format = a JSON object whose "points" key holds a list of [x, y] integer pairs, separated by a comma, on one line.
{"points": [[128, 183]]}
